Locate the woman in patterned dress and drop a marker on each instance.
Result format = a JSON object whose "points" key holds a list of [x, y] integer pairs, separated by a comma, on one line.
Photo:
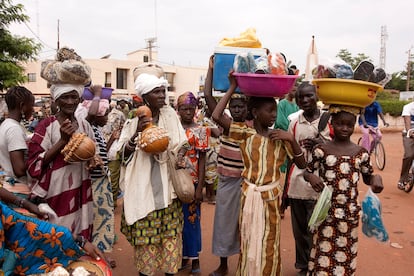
{"points": [[198, 138], [263, 151], [339, 163]]}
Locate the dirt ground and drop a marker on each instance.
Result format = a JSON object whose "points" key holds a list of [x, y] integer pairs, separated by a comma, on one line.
{"points": [[394, 257]]}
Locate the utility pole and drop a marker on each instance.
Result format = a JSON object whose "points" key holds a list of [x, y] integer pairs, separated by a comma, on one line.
{"points": [[407, 87], [150, 45], [58, 39]]}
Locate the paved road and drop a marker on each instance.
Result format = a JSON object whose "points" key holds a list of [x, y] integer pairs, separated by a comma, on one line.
{"points": [[374, 258]]}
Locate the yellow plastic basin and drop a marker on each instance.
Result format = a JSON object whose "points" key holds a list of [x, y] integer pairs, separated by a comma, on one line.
{"points": [[346, 92]]}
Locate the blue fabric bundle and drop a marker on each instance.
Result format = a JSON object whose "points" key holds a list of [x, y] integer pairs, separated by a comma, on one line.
{"points": [[372, 225], [244, 63]]}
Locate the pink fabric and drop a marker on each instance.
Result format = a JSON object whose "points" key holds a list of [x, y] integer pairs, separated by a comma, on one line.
{"points": [[103, 106], [366, 141]]}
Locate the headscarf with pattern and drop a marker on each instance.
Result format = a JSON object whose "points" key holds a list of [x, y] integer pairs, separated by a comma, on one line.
{"points": [[187, 98]]}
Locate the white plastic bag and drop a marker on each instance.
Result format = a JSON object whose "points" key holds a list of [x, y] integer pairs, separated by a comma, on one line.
{"points": [[372, 225], [320, 212]]}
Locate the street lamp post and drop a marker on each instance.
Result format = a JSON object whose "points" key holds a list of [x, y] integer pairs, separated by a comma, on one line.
{"points": [[407, 87]]}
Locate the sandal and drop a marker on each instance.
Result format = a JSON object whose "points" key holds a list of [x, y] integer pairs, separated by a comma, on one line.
{"points": [[401, 185], [185, 264], [408, 186]]}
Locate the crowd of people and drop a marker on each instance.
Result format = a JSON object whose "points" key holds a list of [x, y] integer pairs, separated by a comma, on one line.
{"points": [[253, 158]]}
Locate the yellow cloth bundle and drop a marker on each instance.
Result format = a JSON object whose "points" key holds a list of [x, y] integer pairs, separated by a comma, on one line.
{"points": [[247, 39]]}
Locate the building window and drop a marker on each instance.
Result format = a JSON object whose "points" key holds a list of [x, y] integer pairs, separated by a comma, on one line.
{"points": [[108, 82], [145, 58], [121, 78], [31, 77]]}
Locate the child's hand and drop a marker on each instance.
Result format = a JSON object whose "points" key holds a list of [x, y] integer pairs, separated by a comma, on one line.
{"points": [[198, 195], [116, 134], [93, 251], [316, 183], [211, 62], [376, 183], [278, 134], [232, 79], [96, 90]]}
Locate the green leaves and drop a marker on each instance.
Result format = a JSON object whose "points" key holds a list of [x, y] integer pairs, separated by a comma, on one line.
{"points": [[14, 50]]}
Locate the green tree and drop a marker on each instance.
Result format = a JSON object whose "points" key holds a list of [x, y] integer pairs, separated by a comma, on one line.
{"points": [[398, 81], [346, 56], [14, 50]]}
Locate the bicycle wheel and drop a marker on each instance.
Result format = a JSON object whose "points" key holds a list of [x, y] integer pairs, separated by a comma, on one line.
{"points": [[379, 152]]}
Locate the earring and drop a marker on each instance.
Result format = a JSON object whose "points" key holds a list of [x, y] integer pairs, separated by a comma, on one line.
{"points": [[23, 115], [57, 108]]}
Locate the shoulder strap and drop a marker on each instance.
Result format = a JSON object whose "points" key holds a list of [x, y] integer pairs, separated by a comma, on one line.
{"points": [[323, 121]]}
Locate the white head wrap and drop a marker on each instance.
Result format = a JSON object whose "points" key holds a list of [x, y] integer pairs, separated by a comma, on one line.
{"points": [[145, 83], [59, 89]]}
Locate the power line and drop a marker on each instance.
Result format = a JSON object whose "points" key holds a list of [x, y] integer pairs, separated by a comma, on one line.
{"points": [[38, 38]]}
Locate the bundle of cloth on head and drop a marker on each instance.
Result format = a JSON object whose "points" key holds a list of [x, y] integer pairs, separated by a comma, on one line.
{"points": [[145, 83], [148, 68], [187, 98], [67, 72], [336, 108]]}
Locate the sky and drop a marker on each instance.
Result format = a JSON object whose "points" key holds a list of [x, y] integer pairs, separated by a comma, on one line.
{"points": [[188, 31]]}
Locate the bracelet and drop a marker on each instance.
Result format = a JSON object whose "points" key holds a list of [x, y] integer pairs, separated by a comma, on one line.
{"points": [[80, 241], [130, 146], [19, 202], [298, 155], [96, 98]]}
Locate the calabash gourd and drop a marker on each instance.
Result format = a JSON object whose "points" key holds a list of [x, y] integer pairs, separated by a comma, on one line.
{"points": [[153, 139]]}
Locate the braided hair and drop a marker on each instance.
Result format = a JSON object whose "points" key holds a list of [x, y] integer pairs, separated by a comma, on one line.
{"points": [[17, 95]]}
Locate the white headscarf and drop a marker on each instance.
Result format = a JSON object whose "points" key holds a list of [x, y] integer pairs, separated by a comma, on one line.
{"points": [[59, 89], [145, 83]]}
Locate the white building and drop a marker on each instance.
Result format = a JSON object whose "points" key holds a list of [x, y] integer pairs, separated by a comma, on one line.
{"points": [[117, 74]]}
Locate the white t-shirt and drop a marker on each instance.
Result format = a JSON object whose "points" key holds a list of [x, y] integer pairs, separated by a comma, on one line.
{"points": [[13, 137], [408, 110], [302, 129]]}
